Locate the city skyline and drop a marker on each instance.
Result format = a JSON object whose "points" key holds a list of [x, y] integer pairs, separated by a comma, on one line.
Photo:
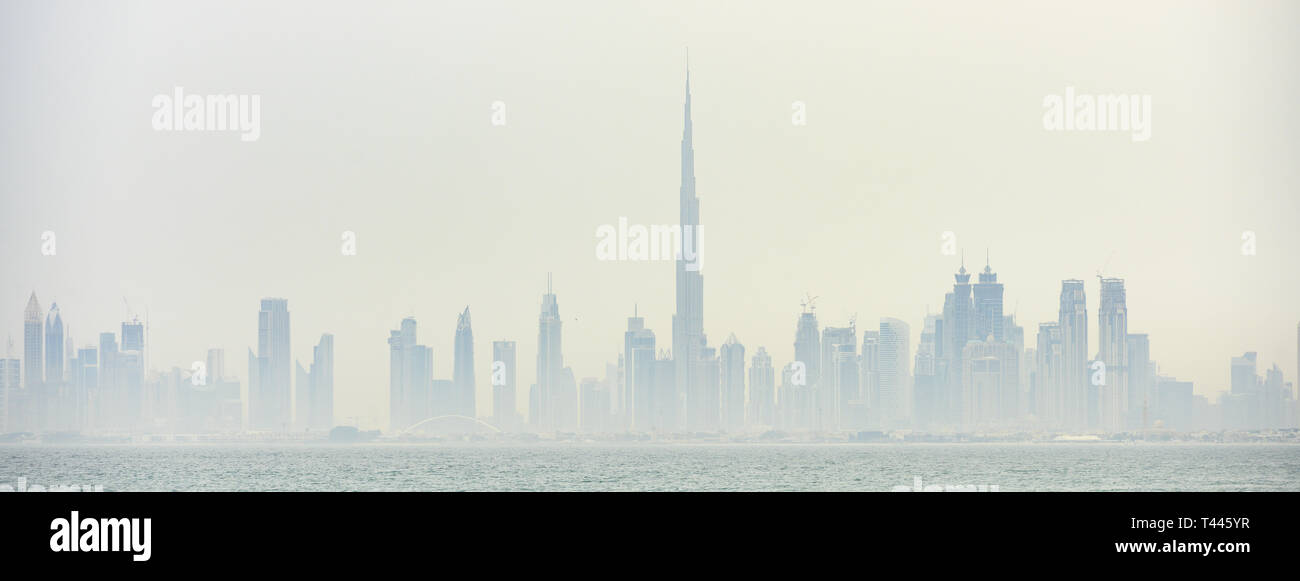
{"points": [[873, 248], [980, 386]]}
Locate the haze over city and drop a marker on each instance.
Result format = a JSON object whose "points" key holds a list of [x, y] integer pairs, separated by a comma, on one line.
{"points": [[915, 126]]}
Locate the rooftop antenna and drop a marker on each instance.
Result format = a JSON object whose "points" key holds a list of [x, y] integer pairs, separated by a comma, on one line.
{"points": [[548, 284]]}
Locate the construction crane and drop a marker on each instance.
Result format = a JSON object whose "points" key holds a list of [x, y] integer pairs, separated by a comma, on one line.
{"points": [[1103, 266], [809, 303]]}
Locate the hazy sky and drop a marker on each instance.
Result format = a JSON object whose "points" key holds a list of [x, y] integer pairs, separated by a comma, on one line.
{"points": [[922, 117]]}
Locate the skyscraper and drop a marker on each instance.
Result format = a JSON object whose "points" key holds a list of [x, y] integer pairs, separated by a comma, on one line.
{"points": [[988, 306], [895, 378], [704, 399], [302, 397], [990, 388], [54, 346], [762, 390], [928, 401], [33, 344], [836, 388], [958, 328], [268, 405], [870, 367], [48, 398], [688, 322], [503, 384], [463, 367], [804, 372], [1141, 379], [594, 398], [733, 384], [320, 410], [1112, 349], [645, 397], [109, 408], [550, 361], [10, 384], [1073, 329], [636, 337], [412, 396], [1049, 400]]}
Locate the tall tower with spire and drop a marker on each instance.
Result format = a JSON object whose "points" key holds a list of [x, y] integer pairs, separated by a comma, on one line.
{"points": [[688, 322], [550, 363], [958, 328], [33, 344], [463, 366], [988, 305]]}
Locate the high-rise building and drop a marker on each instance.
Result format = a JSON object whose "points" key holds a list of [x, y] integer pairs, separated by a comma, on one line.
{"points": [[837, 387], [988, 306], [33, 344], [85, 387], [23, 402], [48, 398], [895, 377], [550, 361], [928, 402], [302, 397], [704, 399], [991, 378], [1014, 334], [636, 337], [133, 335], [463, 367], [268, 405], [1049, 400], [1172, 403], [320, 410], [412, 395], [1073, 328], [129, 366], [1275, 395], [644, 396], [666, 413], [870, 364], [10, 385], [732, 362], [503, 385], [1112, 341], [1243, 405], [688, 322], [804, 372], [216, 366], [595, 403], [110, 408], [54, 346], [762, 390], [958, 328], [566, 401], [1141, 379]]}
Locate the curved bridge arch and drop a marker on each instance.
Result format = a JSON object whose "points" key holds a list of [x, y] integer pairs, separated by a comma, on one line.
{"points": [[425, 421]]}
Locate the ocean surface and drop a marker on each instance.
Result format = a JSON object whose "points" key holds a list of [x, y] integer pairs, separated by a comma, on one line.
{"points": [[656, 467]]}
